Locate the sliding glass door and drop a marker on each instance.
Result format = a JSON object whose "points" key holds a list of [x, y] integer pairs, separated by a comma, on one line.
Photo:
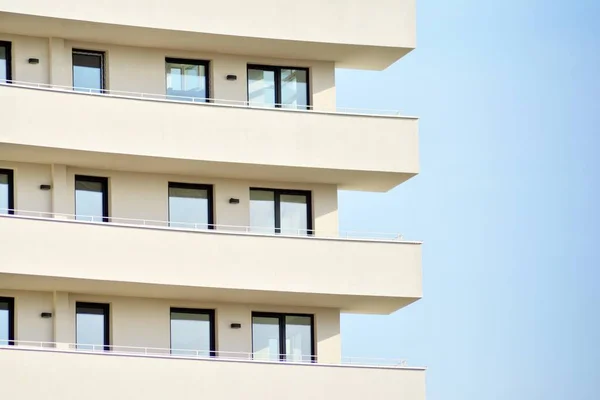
{"points": [[5, 62], [283, 337], [281, 87], [286, 212]]}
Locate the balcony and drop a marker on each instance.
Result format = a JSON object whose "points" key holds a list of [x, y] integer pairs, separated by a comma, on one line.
{"points": [[67, 373], [150, 133], [226, 264], [354, 34]]}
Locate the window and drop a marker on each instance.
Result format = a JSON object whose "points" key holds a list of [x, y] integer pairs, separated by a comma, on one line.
{"points": [[91, 198], [7, 321], [5, 62], [88, 71], [285, 337], [7, 196], [280, 211], [278, 87], [192, 332], [187, 80], [93, 326], [190, 206]]}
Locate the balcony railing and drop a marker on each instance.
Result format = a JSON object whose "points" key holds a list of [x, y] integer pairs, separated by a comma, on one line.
{"points": [[209, 228], [202, 101], [202, 354]]}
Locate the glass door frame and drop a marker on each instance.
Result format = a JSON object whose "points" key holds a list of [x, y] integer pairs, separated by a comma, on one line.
{"points": [[105, 308], [96, 179], [194, 186], [277, 200], [10, 303], [8, 49], [94, 53], [196, 311], [282, 332], [191, 61], [277, 72], [11, 189]]}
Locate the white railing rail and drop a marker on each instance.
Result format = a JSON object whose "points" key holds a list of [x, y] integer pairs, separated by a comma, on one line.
{"points": [[258, 357], [200, 100], [213, 228]]}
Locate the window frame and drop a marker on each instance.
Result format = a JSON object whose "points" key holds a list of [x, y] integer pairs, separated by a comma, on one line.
{"points": [[102, 55], [199, 186], [105, 307], [277, 200], [197, 311], [282, 332], [277, 70], [191, 61], [97, 179], [11, 318], [11, 189], [8, 48]]}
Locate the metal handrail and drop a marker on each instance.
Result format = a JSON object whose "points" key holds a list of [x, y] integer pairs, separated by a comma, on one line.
{"points": [[213, 228], [202, 354], [202, 100]]}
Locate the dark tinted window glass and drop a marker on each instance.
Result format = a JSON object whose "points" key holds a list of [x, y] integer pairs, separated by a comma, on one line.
{"points": [[294, 88], [88, 71], [262, 211], [265, 338], [261, 88], [6, 321], [270, 86], [294, 214], [6, 192], [5, 61], [190, 206], [191, 332], [282, 337], [91, 199], [92, 326], [280, 211], [187, 80], [298, 338]]}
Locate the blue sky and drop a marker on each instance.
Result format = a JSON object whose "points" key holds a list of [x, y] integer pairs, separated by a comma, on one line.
{"points": [[507, 201]]}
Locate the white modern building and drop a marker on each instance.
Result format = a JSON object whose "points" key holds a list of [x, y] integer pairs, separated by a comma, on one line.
{"points": [[168, 199]]}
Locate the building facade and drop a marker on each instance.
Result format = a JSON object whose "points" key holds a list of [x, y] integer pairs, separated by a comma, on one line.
{"points": [[168, 199]]}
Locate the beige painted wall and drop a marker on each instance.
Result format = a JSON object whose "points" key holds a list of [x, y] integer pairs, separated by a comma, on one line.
{"points": [[355, 150], [23, 48], [378, 22], [353, 275], [145, 196], [61, 375], [144, 322], [138, 69], [28, 178], [29, 326]]}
